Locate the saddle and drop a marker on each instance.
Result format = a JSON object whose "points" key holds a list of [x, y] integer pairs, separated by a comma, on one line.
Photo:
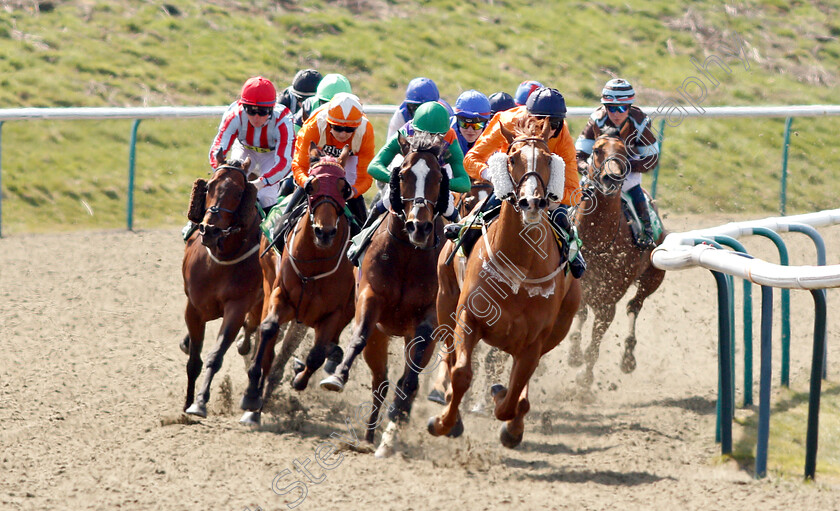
{"points": [[632, 217], [360, 242], [271, 227]]}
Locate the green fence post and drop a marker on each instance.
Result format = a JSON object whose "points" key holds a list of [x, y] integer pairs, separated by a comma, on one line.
{"points": [[783, 193], [131, 158], [656, 170], [784, 261]]}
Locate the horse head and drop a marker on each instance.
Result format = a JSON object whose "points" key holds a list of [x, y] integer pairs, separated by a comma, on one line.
{"points": [[529, 175], [610, 162], [326, 186], [419, 188], [224, 205]]}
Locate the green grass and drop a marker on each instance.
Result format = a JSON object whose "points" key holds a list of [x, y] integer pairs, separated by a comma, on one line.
{"points": [[119, 53], [788, 424]]}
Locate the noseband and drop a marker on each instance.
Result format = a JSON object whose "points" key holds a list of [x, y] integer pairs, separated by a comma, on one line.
{"points": [[596, 181], [421, 201], [517, 186]]}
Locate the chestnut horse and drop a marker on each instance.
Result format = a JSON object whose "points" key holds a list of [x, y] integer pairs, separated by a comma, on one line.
{"points": [[314, 281], [613, 258], [221, 270], [398, 285], [515, 294], [465, 202]]}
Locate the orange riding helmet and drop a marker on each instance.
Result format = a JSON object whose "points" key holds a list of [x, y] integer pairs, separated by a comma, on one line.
{"points": [[345, 110]]}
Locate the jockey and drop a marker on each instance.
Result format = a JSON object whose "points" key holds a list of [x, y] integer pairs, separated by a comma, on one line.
{"points": [[472, 111], [256, 127], [328, 87], [543, 102], [524, 91], [303, 86], [500, 101], [419, 91], [339, 123], [643, 150], [430, 118]]}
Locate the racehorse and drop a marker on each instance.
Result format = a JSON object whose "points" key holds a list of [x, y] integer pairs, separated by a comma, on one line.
{"points": [[398, 285], [314, 282], [465, 202], [614, 260], [221, 270], [515, 293]]}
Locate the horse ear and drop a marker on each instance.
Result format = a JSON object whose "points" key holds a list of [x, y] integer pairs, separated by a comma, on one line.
{"points": [[246, 165], [443, 194], [196, 210], [219, 156], [405, 146], [544, 128], [345, 153], [314, 152], [247, 205], [509, 135]]}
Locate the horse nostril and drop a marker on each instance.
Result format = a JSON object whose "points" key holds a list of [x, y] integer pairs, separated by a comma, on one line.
{"points": [[426, 228], [523, 203], [330, 233], [410, 226], [542, 203], [318, 231]]}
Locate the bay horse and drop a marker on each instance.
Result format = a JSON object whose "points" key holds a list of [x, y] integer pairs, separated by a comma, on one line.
{"points": [[398, 284], [515, 293], [614, 260], [314, 282], [465, 202], [221, 271]]}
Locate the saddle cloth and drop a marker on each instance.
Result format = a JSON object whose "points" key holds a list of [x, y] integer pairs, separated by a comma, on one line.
{"points": [[633, 218]]}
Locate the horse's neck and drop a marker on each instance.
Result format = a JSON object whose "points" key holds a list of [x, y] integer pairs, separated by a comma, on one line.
{"points": [[511, 238]]}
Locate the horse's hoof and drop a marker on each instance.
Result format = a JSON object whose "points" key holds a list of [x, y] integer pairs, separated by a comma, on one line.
{"points": [[628, 363], [431, 426], [250, 419], [252, 404], [384, 451], [244, 345], [198, 409], [509, 440], [436, 396], [457, 430], [185, 345], [299, 382], [495, 389], [332, 382], [298, 365], [333, 359]]}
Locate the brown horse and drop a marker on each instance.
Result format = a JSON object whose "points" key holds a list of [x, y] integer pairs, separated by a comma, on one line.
{"points": [[398, 285], [515, 295], [614, 260], [314, 281], [465, 202], [221, 270]]}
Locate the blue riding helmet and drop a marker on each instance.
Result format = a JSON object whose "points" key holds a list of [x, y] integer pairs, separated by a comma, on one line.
{"points": [[501, 101], [421, 90], [524, 91], [472, 104], [547, 102]]}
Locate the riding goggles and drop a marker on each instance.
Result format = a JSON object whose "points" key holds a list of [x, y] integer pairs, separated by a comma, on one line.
{"points": [[343, 129], [618, 109], [261, 111], [475, 124]]}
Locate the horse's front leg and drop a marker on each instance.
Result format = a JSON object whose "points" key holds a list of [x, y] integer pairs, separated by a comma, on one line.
{"points": [[575, 353], [278, 313], [292, 338], [195, 327], [604, 315], [512, 403], [233, 318], [326, 334], [368, 310], [460, 376]]}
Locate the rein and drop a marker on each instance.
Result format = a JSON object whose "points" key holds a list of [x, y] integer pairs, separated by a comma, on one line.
{"points": [[517, 186]]}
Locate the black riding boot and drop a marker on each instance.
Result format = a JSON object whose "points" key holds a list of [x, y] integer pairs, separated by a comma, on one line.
{"points": [[560, 219], [646, 240], [280, 229]]}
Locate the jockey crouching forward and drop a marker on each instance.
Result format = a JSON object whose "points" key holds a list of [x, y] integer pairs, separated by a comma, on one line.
{"points": [[339, 123], [430, 119], [616, 111], [543, 102]]}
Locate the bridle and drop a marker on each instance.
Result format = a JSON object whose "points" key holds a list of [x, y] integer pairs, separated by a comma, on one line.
{"points": [[596, 180], [517, 185], [205, 229], [420, 201]]}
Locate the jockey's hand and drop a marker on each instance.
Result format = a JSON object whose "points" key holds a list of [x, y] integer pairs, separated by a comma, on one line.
{"points": [[258, 183], [583, 167]]}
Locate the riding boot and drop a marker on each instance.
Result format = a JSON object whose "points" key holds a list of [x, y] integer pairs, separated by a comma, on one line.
{"points": [[280, 230], [376, 211], [560, 220], [646, 239], [188, 230]]}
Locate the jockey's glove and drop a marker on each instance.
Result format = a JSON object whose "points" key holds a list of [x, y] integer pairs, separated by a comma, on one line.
{"points": [[258, 183]]}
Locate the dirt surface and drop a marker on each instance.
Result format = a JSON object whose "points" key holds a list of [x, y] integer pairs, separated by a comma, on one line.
{"points": [[92, 383]]}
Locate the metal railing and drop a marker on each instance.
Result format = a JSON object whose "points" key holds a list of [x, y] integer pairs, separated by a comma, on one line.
{"points": [[188, 112]]}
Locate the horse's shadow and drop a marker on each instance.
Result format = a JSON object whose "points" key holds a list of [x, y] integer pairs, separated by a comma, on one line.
{"points": [[546, 448], [696, 404], [603, 477]]}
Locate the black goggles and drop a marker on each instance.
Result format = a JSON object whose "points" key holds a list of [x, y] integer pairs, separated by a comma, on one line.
{"points": [[262, 111]]}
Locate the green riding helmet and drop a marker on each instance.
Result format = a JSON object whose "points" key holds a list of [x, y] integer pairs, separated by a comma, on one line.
{"points": [[330, 85], [431, 117]]}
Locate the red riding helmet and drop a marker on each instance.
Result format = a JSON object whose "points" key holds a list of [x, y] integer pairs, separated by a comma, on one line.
{"points": [[258, 91]]}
